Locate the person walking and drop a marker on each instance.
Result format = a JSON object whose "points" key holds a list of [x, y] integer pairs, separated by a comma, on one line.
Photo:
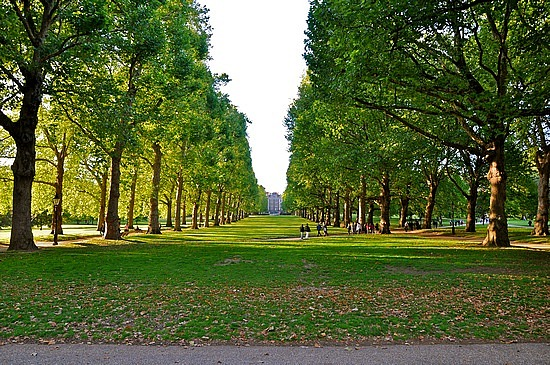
{"points": [[325, 229], [307, 230], [302, 231], [319, 227]]}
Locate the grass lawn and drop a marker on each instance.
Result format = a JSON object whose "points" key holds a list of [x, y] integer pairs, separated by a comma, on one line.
{"points": [[252, 282]]}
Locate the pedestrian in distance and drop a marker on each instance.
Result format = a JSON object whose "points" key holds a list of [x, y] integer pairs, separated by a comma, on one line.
{"points": [[325, 229], [319, 227], [302, 231], [307, 230]]}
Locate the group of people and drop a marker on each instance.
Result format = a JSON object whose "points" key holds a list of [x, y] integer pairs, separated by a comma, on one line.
{"points": [[412, 225], [321, 227], [358, 228]]}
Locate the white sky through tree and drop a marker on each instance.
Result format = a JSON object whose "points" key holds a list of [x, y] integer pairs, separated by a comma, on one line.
{"points": [[259, 44]]}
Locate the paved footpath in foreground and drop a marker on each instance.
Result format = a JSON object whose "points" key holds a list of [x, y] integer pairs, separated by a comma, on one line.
{"points": [[478, 354]]}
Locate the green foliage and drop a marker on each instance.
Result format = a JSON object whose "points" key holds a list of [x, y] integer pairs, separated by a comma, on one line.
{"points": [[466, 76]]}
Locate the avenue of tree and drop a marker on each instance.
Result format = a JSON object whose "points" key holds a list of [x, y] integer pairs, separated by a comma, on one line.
{"points": [[110, 104], [422, 108]]}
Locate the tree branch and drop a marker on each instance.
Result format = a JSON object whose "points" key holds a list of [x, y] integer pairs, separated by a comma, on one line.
{"points": [[26, 20], [6, 122], [44, 182], [390, 113]]}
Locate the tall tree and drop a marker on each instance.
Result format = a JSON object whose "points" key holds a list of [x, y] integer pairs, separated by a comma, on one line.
{"points": [[35, 38]]}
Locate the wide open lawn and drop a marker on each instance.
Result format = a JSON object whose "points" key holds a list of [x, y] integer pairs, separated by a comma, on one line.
{"points": [[254, 282]]}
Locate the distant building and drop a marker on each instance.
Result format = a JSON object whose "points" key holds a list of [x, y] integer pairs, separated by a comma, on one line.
{"points": [[274, 203]]}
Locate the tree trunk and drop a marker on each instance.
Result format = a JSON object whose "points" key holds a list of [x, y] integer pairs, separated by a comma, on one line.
{"points": [[102, 202], [237, 209], [541, 221], [362, 202], [404, 200], [184, 210], [385, 200], [196, 205], [218, 208], [433, 184], [370, 215], [112, 222], [227, 219], [475, 165], [497, 230], [347, 209], [169, 211], [471, 207], [154, 223], [179, 192], [336, 222], [23, 175], [24, 134], [132, 202], [207, 208], [222, 212], [328, 217]]}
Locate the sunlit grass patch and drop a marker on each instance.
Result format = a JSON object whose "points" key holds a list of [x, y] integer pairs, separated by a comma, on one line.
{"points": [[256, 281]]}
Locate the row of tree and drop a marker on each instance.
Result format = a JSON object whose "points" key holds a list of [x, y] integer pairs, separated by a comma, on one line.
{"points": [[404, 98], [111, 103]]}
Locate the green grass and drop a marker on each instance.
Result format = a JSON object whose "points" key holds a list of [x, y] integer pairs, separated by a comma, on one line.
{"points": [[251, 283]]}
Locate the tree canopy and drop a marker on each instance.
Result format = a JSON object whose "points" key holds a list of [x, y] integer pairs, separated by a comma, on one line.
{"points": [[464, 74]]}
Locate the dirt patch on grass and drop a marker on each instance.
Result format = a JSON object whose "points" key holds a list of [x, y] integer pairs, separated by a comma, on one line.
{"points": [[233, 261]]}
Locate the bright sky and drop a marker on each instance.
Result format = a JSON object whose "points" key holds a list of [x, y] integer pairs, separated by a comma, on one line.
{"points": [[259, 44]]}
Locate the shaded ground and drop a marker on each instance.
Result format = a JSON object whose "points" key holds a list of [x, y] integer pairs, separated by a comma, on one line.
{"points": [[428, 234]]}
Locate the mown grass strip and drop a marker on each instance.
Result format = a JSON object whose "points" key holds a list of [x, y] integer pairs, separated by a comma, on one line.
{"points": [[254, 282]]}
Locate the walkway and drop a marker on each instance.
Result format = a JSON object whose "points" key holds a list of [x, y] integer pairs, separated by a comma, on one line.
{"points": [[517, 354]]}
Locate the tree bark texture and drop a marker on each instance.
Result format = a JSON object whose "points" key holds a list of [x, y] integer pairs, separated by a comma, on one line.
{"points": [[112, 221], [471, 207], [497, 230], [24, 134], [154, 223], [23, 175]]}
